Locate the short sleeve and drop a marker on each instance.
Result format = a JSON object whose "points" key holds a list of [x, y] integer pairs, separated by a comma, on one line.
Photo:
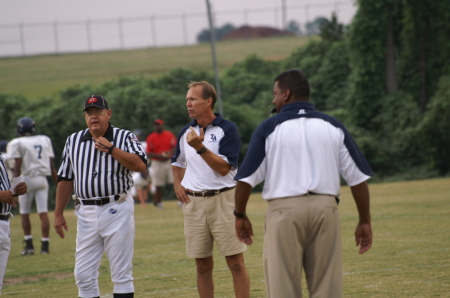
{"points": [[134, 146], [65, 171]]}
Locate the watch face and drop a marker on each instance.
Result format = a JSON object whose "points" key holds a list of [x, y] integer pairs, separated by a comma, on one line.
{"points": [[203, 150]]}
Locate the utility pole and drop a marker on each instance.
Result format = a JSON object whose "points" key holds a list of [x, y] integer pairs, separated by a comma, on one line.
{"points": [[213, 52], [283, 15]]}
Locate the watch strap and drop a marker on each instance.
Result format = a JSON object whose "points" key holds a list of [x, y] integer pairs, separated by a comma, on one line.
{"points": [[202, 150], [239, 215]]}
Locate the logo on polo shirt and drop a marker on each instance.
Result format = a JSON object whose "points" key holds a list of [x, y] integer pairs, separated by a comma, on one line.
{"points": [[92, 100], [302, 111], [213, 138], [112, 211]]}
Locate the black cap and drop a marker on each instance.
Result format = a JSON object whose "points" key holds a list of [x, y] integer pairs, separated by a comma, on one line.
{"points": [[95, 101]]}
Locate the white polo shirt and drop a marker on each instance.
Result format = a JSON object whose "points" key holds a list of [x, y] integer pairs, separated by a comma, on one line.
{"points": [[301, 150], [221, 138]]}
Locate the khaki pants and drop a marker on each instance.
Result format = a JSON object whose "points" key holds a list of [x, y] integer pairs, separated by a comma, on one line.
{"points": [[303, 232], [209, 219]]}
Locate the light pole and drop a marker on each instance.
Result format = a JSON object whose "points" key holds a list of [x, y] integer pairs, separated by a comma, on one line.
{"points": [[213, 52]]}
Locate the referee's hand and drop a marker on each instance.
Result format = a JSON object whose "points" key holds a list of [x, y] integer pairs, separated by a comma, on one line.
{"points": [[60, 223], [6, 196], [20, 188], [102, 144]]}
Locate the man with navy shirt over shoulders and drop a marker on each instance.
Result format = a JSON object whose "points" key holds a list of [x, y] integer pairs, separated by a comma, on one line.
{"points": [[301, 153], [204, 165]]}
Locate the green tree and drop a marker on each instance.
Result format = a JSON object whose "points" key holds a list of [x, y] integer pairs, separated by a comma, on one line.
{"points": [[330, 82], [294, 27], [331, 30], [313, 28], [431, 139], [424, 57], [367, 61], [178, 79], [250, 82], [11, 109]]}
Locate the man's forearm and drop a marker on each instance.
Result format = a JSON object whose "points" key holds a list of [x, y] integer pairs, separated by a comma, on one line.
{"points": [[130, 161], [361, 196], [178, 174], [216, 163], [242, 194]]}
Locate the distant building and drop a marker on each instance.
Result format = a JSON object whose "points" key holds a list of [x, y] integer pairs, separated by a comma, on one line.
{"points": [[246, 32]]}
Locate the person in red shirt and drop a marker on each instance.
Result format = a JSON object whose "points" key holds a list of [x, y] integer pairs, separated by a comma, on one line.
{"points": [[160, 148]]}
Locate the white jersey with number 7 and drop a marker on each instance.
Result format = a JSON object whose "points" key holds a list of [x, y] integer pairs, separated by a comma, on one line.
{"points": [[35, 152]]}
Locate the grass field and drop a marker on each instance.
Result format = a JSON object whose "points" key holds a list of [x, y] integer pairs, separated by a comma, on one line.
{"points": [[409, 257], [39, 76]]}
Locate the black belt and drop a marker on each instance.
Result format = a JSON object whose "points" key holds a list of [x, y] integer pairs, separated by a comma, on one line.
{"points": [[97, 202], [4, 217], [316, 194], [207, 193]]}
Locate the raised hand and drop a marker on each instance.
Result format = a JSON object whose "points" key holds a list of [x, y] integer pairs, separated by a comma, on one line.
{"points": [[194, 140]]}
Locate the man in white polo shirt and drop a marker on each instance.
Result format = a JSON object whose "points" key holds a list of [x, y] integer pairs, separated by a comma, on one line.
{"points": [[204, 166], [301, 153]]}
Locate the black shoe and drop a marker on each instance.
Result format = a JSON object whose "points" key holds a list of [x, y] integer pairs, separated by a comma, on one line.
{"points": [[29, 248], [45, 247]]}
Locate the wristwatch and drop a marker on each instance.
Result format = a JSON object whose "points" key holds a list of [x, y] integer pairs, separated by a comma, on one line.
{"points": [[201, 151], [238, 215]]}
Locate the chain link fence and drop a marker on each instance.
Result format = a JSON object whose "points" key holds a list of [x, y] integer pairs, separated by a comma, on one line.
{"points": [[93, 35]]}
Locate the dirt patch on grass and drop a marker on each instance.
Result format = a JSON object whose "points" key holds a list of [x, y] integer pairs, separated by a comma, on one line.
{"points": [[22, 280]]}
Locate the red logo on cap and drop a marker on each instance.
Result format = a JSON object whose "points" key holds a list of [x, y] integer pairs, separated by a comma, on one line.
{"points": [[92, 100]]}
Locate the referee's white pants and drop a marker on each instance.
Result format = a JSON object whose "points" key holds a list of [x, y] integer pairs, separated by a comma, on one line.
{"points": [[108, 228], [5, 247]]}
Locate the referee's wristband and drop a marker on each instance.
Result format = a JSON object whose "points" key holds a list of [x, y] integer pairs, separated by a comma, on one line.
{"points": [[110, 149], [238, 215]]}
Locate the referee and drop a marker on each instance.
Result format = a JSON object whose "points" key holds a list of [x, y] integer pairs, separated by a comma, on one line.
{"points": [[7, 198], [97, 165]]}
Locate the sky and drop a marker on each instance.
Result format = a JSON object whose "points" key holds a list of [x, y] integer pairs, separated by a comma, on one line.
{"points": [[94, 25]]}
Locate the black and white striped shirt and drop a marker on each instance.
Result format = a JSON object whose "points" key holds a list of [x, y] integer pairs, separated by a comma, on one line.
{"points": [[96, 173], [4, 185]]}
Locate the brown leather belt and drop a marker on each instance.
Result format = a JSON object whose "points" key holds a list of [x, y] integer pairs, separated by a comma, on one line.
{"points": [[4, 217], [207, 193]]}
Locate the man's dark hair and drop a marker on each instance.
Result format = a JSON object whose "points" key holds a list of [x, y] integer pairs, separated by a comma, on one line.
{"points": [[296, 81]]}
